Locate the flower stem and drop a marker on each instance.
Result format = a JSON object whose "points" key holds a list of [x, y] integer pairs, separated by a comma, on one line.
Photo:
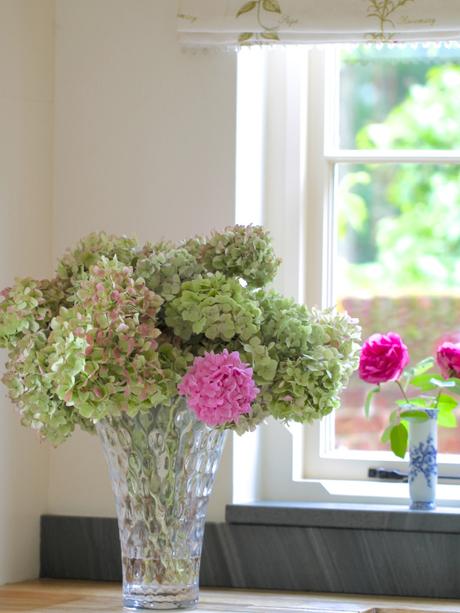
{"points": [[436, 404], [402, 391]]}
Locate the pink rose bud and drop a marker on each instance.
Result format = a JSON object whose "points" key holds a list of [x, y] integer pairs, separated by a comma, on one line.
{"points": [[448, 359], [383, 358]]}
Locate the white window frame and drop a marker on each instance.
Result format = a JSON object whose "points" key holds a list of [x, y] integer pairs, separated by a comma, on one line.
{"points": [[285, 170]]}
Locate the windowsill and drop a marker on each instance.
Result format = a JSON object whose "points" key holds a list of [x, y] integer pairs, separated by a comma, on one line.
{"points": [[382, 492], [350, 516]]}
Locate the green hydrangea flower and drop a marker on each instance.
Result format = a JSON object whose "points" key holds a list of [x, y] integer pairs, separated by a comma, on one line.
{"points": [[76, 262], [119, 326], [104, 355], [28, 306], [286, 323], [216, 306], [242, 252], [308, 387], [264, 359], [194, 246], [30, 386], [174, 362], [248, 422], [164, 270]]}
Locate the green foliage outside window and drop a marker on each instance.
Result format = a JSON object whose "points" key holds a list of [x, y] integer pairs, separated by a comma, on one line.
{"points": [[401, 223]]}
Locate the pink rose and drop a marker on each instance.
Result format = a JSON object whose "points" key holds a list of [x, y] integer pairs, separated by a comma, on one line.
{"points": [[383, 358], [448, 359]]}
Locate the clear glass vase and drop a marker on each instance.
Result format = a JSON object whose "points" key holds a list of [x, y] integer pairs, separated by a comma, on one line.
{"points": [[423, 465], [162, 465]]}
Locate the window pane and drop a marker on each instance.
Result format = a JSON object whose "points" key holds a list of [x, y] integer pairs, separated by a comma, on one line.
{"points": [[399, 98], [398, 270]]}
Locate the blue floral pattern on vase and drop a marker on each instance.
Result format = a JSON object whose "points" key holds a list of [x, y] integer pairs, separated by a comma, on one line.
{"points": [[423, 460]]}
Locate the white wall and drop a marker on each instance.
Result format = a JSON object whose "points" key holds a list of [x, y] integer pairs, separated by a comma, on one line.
{"points": [[144, 145], [143, 137], [26, 120]]}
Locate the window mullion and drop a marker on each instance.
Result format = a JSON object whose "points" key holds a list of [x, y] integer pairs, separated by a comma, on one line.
{"points": [[375, 156], [317, 186]]}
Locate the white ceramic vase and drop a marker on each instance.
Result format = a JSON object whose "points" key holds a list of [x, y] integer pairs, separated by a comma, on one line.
{"points": [[423, 466]]}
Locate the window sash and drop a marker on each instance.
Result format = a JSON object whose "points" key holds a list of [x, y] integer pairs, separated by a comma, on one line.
{"points": [[324, 460], [297, 192]]}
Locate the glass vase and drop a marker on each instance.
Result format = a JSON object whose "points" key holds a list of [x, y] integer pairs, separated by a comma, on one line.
{"points": [[423, 466], [162, 465]]}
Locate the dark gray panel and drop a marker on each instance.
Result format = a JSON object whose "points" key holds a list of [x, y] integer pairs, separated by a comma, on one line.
{"points": [[80, 548], [349, 516], [339, 560]]}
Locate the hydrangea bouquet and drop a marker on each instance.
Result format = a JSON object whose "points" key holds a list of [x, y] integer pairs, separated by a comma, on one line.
{"points": [[123, 328], [161, 348]]}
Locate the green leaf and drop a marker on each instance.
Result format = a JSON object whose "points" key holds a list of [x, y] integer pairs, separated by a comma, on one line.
{"points": [[447, 420], [423, 382], [245, 36], [368, 402], [385, 438], [272, 6], [418, 415], [246, 8], [270, 36], [446, 403], [398, 439], [394, 417]]}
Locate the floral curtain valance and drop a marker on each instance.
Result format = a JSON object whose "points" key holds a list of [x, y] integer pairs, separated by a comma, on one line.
{"points": [[244, 22]]}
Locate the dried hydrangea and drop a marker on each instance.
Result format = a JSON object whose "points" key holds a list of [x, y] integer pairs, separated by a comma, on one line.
{"points": [[308, 387], [264, 359], [164, 270], [244, 252], [194, 246], [286, 323], [120, 326], [76, 262], [104, 355], [30, 386], [28, 307], [216, 306]]}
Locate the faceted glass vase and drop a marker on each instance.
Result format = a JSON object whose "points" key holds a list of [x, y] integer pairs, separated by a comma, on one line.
{"points": [[162, 465]]}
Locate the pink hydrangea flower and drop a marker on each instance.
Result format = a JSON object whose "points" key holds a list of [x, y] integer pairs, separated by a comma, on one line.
{"points": [[383, 358], [448, 359], [219, 388]]}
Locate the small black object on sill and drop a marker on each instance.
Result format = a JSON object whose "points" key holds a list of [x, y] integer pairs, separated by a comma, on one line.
{"points": [[385, 474]]}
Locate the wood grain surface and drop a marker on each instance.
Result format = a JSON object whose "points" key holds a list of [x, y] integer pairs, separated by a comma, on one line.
{"points": [[55, 596]]}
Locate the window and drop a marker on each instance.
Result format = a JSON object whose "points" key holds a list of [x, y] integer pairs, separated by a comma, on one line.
{"points": [[347, 174]]}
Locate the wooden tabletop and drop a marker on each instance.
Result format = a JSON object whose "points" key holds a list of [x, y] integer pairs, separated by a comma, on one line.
{"points": [[84, 597]]}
